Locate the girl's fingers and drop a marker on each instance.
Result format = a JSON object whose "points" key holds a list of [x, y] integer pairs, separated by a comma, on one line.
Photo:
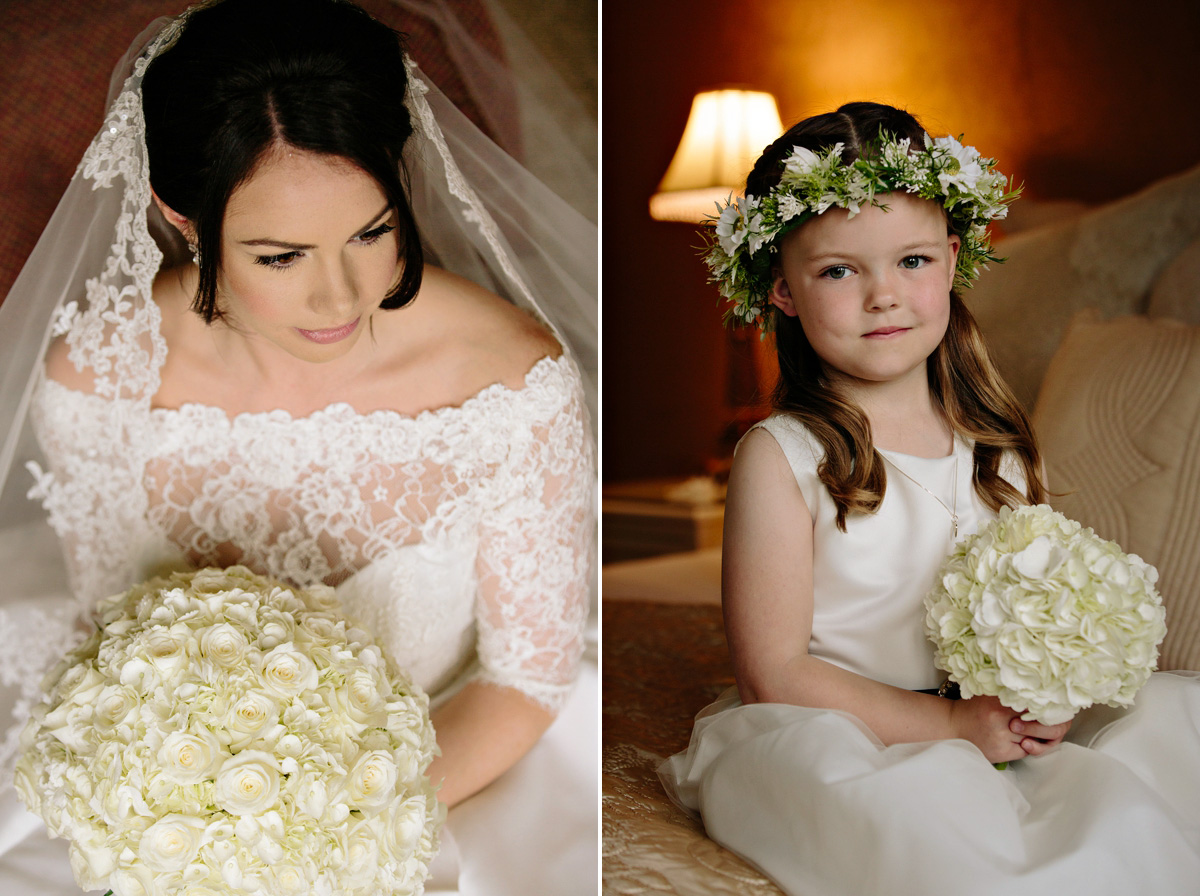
{"points": [[1039, 731]]}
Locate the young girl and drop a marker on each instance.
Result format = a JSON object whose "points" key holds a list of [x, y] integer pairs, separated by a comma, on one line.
{"points": [[837, 767]]}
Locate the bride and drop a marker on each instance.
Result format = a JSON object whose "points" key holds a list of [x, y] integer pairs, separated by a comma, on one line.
{"points": [[309, 394]]}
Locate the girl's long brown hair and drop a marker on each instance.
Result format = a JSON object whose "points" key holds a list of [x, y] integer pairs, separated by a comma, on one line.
{"points": [[963, 381]]}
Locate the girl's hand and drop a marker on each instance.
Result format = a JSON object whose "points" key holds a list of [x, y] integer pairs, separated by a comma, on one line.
{"points": [[999, 732], [1037, 738]]}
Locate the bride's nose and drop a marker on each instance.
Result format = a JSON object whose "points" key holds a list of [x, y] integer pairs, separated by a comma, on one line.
{"points": [[335, 293]]}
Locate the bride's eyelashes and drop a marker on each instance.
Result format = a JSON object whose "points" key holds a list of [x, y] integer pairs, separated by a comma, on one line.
{"points": [[375, 234], [284, 260]]}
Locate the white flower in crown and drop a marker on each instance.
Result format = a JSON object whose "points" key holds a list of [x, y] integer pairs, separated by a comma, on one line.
{"points": [[964, 184], [789, 207], [966, 172], [756, 233], [730, 227], [802, 161]]}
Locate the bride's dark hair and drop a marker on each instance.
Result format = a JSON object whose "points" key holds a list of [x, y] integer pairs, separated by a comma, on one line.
{"points": [[966, 385], [248, 75]]}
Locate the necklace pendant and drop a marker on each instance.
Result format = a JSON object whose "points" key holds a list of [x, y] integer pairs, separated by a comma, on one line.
{"points": [[954, 530]]}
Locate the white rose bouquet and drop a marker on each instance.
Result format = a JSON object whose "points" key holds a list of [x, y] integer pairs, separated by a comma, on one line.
{"points": [[1046, 616], [223, 732]]}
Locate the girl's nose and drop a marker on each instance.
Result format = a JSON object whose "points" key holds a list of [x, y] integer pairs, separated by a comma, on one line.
{"points": [[881, 294]]}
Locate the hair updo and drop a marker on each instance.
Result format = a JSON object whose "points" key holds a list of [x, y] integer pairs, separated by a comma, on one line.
{"points": [[248, 75]]}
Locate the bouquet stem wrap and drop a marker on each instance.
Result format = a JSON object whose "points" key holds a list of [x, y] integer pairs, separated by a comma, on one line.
{"points": [[1045, 615], [223, 732]]}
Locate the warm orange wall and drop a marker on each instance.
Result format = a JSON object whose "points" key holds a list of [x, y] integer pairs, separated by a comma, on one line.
{"points": [[1080, 100]]}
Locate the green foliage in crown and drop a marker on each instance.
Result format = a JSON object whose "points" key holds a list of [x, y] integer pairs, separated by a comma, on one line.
{"points": [[741, 252]]}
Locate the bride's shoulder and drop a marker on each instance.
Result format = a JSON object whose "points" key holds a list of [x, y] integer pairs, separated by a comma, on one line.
{"points": [[176, 321], [473, 336]]}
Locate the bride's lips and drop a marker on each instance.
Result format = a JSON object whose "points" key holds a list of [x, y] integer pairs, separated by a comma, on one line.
{"points": [[884, 332], [325, 337]]}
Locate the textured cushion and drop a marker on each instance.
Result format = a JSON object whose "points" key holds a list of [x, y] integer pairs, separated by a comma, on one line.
{"points": [[1119, 421], [662, 664], [1108, 258], [1176, 293]]}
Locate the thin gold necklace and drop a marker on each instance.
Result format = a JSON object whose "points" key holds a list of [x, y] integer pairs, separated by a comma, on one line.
{"points": [[952, 509]]}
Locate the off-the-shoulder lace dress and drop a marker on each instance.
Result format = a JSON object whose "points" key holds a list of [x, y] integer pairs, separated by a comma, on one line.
{"points": [[463, 537]]}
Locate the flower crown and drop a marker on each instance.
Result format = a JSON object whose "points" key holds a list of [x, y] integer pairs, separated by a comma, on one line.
{"points": [[740, 254]]}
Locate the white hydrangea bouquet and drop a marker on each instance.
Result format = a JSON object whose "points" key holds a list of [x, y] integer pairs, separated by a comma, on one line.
{"points": [[1046, 616], [222, 732]]}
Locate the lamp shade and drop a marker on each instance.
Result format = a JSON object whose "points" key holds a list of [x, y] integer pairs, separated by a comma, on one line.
{"points": [[725, 132]]}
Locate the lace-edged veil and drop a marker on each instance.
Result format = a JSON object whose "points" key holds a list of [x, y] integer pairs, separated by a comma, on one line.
{"points": [[482, 215]]}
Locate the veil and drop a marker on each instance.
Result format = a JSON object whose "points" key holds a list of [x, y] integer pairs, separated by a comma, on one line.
{"points": [[482, 215]]}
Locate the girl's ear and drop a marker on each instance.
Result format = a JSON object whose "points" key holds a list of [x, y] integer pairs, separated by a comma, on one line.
{"points": [[955, 245], [781, 295], [178, 221]]}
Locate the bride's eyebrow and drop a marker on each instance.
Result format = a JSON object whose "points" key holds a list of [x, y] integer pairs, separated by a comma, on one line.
{"points": [[298, 247]]}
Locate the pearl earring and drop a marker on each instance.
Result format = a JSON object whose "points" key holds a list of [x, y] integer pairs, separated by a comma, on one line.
{"points": [[195, 250]]}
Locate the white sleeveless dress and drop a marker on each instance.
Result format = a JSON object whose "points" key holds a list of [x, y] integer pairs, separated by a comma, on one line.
{"points": [[463, 537], [813, 799]]}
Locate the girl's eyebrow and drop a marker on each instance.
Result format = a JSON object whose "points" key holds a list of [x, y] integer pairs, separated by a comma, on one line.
{"points": [[297, 247], [919, 246]]}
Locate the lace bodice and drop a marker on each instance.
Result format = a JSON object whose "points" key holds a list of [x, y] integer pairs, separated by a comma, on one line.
{"points": [[460, 533]]}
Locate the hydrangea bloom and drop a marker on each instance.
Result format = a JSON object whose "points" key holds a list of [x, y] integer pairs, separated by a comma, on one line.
{"points": [[222, 732], [1045, 615]]}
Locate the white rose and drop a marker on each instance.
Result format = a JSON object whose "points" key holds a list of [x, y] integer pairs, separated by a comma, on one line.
{"points": [[189, 758], [249, 717], [165, 649], [91, 861], [362, 853], [322, 627], [407, 825], [171, 842], [224, 645], [289, 879], [134, 879], [365, 692], [248, 783], [287, 671], [372, 780], [114, 707]]}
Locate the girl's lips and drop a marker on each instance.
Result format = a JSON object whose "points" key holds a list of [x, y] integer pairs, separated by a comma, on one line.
{"points": [[325, 337], [884, 332]]}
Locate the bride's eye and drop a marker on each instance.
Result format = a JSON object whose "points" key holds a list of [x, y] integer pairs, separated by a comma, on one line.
{"points": [[279, 262], [373, 235]]}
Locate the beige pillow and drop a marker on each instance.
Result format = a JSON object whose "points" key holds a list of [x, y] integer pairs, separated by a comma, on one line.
{"points": [[1176, 292], [1119, 422]]}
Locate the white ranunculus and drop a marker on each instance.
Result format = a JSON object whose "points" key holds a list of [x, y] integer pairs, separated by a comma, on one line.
{"points": [[247, 783], [1046, 616], [171, 842]]}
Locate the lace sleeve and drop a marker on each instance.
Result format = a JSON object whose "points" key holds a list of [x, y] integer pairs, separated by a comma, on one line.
{"points": [[537, 548]]}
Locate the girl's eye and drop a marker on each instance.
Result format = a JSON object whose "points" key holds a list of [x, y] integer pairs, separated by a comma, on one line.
{"points": [[837, 272], [279, 262], [912, 262], [373, 235]]}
